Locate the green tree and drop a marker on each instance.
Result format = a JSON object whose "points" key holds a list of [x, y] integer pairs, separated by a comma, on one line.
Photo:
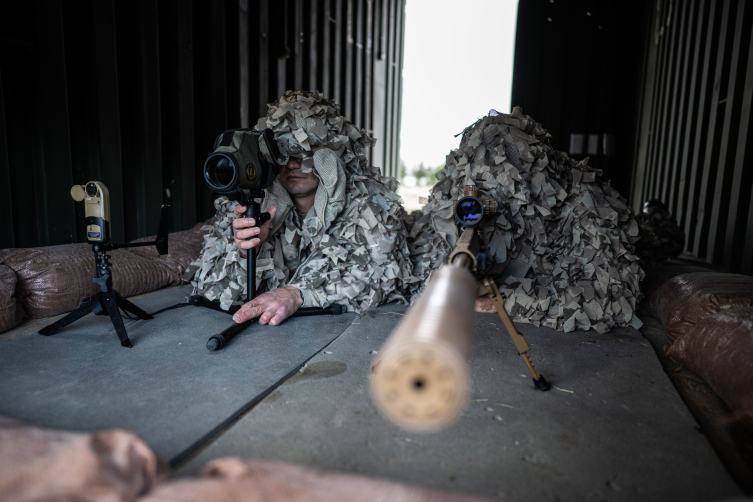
{"points": [[403, 170], [421, 171], [428, 172]]}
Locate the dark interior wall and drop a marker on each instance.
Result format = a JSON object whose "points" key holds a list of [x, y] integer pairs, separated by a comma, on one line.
{"points": [[134, 93], [694, 146], [577, 70], [350, 50]]}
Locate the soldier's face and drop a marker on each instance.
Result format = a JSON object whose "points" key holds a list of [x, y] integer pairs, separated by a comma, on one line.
{"points": [[295, 181]]}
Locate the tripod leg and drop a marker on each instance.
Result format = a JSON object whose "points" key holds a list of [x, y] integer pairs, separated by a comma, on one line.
{"points": [[86, 306], [253, 210], [519, 340], [110, 300], [131, 308]]}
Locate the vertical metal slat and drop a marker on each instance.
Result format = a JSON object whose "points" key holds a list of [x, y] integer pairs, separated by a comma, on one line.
{"points": [[704, 109], [730, 125], [691, 118], [682, 50], [738, 245], [6, 194], [713, 139]]}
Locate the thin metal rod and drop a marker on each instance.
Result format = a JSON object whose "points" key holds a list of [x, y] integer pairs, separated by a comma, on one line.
{"points": [[253, 211]]}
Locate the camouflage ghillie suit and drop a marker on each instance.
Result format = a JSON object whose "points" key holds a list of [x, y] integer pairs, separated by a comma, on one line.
{"points": [[561, 242], [351, 248]]}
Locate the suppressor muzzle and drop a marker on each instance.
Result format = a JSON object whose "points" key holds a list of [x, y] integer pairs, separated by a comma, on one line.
{"points": [[421, 377]]}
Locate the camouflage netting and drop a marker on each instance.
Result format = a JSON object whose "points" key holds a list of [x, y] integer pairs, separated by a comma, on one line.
{"points": [[351, 248], [561, 242]]}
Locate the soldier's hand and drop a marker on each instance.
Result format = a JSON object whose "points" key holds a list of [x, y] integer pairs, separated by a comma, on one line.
{"points": [[247, 236], [273, 306]]}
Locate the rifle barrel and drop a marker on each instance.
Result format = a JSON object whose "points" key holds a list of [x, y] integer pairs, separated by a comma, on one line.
{"points": [[421, 377]]}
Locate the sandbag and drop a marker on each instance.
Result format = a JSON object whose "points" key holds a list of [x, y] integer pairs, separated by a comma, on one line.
{"points": [[183, 248], [54, 279], [43, 465], [235, 480], [11, 313], [683, 301], [719, 348]]}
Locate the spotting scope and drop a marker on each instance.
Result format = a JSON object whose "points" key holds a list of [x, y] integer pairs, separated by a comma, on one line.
{"points": [[242, 164]]}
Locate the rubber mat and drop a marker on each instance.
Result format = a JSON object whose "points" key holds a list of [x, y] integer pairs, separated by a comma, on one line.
{"points": [[168, 388]]}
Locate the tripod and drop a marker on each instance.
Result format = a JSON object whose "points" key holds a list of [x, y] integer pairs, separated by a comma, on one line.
{"points": [[108, 301], [215, 342]]}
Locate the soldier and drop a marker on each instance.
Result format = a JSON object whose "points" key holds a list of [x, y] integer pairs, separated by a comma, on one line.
{"points": [[276, 305], [560, 244], [335, 235]]}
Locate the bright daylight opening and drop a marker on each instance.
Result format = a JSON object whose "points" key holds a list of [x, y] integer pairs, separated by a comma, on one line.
{"points": [[458, 66]]}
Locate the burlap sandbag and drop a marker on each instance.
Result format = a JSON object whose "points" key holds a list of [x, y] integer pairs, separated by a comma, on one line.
{"points": [[683, 301], [11, 313], [45, 465], [54, 279], [183, 248], [235, 480], [720, 350]]}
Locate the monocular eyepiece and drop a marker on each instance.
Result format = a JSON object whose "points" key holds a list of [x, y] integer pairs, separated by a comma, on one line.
{"points": [[220, 173], [469, 211]]}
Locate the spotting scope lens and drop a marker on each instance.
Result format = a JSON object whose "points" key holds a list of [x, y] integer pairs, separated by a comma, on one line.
{"points": [[220, 172], [469, 211]]}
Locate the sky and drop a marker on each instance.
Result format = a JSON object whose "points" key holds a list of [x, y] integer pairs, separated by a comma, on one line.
{"points": [[458, 65]]}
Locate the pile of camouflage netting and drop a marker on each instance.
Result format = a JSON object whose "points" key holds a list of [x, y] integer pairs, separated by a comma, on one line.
{"points": [[561, 242]]}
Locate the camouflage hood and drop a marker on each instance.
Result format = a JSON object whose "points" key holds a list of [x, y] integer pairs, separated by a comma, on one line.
{"points": [[328, 203], [351, 248]]}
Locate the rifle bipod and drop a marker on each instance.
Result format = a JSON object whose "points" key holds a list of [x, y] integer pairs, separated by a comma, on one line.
{"points": [[519, 340]]}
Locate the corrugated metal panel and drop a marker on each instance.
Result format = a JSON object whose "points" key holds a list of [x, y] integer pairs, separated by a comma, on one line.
{"points": [[578, 70], [694, 144], [134, 95]]}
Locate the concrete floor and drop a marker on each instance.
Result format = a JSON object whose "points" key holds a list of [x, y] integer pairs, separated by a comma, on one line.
{"points": [[613, 428]]}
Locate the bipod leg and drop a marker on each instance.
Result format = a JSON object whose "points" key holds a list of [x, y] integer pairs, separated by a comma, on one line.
{"points": [[519, 340], [131, 308], [110, 300], [86, 307]]}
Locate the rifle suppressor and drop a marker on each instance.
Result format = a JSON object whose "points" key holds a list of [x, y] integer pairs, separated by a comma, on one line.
{"points": [[421, 378]]}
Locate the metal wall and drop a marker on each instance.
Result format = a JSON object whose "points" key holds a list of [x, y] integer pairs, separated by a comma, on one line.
{"points": [[694, 149], [134, 93], [577, 72]]}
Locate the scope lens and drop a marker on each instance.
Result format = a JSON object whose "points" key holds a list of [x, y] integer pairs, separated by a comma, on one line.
{"points": [[91, 189], [220, 172], [469, 211]]}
